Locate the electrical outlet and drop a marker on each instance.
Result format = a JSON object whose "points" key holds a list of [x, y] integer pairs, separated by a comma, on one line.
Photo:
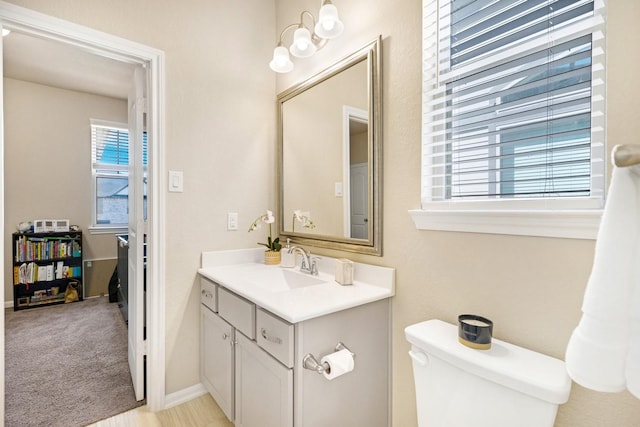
{"points": [[232, 221]]}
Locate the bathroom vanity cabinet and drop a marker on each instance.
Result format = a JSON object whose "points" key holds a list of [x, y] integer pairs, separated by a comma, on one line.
{"points": [[252, 362], [250, 387], [217, 358]]}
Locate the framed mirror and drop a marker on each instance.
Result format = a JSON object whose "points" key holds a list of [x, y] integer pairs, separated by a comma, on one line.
{"points": [[330, 156]]}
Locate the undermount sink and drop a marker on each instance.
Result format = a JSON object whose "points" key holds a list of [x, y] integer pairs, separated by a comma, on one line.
{"points": [[280, 279]]}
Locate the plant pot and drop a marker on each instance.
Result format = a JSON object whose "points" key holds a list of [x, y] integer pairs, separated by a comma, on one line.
{"points": [[272, 257]]}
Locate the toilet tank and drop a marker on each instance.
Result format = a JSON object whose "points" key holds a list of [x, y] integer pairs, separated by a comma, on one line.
{"points": [[507, 385]]}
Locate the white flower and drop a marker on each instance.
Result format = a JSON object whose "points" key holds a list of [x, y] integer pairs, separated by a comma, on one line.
{"points": [[304, 217], [268, 218]]}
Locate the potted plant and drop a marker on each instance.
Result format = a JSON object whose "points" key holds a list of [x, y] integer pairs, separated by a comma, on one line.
{"points": [[272, 254]]}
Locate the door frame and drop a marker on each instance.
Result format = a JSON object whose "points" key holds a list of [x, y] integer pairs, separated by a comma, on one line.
{"points": [[35, 23]]}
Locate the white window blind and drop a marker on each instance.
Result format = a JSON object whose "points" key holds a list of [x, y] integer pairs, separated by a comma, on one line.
{"points": [[110, 169], [513, 100], [109, 148]]}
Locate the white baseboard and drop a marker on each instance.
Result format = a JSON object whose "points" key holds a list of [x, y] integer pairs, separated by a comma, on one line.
{"points": [[184, 395]]}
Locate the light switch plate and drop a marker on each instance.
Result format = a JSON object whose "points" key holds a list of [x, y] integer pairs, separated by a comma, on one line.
{"points": [[232, 221], [175, 181]]}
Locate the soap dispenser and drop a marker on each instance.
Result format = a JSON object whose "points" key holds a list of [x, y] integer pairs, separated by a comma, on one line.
{"points": [[288, 259]]}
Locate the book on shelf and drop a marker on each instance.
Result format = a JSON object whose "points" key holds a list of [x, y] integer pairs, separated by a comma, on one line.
{"points": [[59, 270], [22, 273], [30, 274], [49, 272], [41, 273]]}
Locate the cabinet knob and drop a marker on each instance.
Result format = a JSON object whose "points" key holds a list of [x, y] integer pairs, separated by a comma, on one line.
{"points": [[225, 336]]}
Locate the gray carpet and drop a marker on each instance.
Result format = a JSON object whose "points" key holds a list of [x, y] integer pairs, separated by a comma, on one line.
{"points": [[66, 365]]}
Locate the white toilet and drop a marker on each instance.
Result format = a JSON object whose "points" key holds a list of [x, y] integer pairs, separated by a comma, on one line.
{"points": [[505, 386]]}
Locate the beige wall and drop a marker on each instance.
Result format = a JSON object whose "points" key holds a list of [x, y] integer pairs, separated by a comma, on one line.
{"points": [[47, 161], [531, 287]]}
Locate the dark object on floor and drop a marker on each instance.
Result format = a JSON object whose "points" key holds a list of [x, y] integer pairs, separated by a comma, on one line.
{"points": [[113, 286]]}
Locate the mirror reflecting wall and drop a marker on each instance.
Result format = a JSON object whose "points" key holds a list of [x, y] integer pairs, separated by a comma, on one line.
{"points": [[330, 155]]}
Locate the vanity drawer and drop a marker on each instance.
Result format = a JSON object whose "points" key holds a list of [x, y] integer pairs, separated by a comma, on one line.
{"points": [[275, 336], [237, 311], [209, 294]]}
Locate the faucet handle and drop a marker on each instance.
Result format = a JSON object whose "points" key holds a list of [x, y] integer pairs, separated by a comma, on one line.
{"points": [[303, 264], [313, 269]]}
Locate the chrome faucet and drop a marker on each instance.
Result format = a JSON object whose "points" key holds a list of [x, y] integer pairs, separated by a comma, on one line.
{"points": [[308, 263]]}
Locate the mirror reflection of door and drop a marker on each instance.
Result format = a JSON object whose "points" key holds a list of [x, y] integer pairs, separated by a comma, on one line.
{"points": [[356, 173]]}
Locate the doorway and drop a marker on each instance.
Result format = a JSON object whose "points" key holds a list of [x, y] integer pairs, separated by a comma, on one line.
{"points": [[86, 40]]}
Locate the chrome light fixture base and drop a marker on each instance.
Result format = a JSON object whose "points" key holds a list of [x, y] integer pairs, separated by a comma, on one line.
{"points": [[307, 40]]}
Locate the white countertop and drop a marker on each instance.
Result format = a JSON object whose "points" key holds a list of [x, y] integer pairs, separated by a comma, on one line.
{"points": [[237, 271]]}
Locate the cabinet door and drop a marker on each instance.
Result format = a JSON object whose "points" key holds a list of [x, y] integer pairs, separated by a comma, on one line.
{"points": [[264, 388], [216, 359]]}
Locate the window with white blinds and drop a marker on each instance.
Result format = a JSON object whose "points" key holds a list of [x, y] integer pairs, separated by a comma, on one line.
{"points": [[513, 101], [109, 148], [110, 171]]}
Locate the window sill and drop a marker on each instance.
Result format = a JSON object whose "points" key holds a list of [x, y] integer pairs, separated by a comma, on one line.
{"points": [[572, 224], [108, 230]]}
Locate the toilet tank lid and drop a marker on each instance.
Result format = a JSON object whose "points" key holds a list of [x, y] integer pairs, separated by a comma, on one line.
{"points": [[518, 368]]}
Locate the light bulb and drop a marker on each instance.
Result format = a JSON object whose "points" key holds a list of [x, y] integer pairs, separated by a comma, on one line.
{"points": [[281, 63], [302, 46], [329, 25]]}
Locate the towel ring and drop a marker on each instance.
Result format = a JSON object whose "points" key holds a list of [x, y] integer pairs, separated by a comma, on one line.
{"points": [[626, 155]]}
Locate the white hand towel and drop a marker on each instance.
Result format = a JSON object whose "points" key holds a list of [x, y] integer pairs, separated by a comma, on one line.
{"points": [[632, 371], [595, 358], [598, 348], [633, 357]]}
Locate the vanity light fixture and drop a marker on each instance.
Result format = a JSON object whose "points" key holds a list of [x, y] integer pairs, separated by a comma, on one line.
{"points": [[307, 40]]}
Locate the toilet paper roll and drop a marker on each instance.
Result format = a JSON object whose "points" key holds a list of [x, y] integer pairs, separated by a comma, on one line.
{"points": [[340, 363]]}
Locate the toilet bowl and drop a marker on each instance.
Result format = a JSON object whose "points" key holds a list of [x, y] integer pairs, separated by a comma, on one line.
{"points": [[457, 386]]}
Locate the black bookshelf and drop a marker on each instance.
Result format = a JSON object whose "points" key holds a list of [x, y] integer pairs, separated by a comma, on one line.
{"points": [[44, 265]]}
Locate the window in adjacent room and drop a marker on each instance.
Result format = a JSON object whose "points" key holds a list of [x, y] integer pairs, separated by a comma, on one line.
{"points": [[110, 173], [513, 106]]}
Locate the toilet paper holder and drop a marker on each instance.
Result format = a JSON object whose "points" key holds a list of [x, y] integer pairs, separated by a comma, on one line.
{"points": [[311, 363]]}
